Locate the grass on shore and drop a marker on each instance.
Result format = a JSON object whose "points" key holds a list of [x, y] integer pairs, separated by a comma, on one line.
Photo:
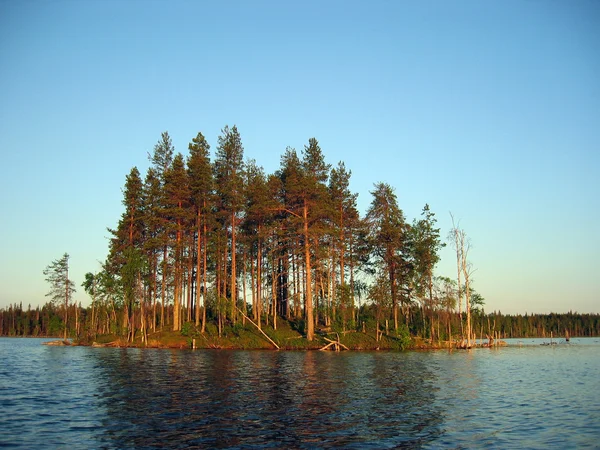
{"points": [[247, 336]]}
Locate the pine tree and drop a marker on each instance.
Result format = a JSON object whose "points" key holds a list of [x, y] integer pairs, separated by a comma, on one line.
{"points": [[162, 156], [345, 216], [229, 173], [61, 287], [155, 237], [388, 237], [306, 199], [161, 159], [177, 201], [426, 246], [201, 185], [127, 239], [90, 285], [260, 208]]}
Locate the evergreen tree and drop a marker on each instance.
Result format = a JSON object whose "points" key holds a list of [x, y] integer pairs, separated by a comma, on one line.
{"points": [[426, 246], [162, 156], [177, 201], [260, 208], [61, 287], [155, 239], [306, 199], [126, 238], [90, 285], [388, 239], [201, 185], [287, 230], [345, 216], [229, 173], [161, 159]]}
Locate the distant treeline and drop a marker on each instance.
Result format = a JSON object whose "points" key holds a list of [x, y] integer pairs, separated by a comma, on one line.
{"points": [[48, 321]]}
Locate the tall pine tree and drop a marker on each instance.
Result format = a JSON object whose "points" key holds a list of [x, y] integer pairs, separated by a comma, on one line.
{"points": [[388, 231], [229, 180], [201, 185]]}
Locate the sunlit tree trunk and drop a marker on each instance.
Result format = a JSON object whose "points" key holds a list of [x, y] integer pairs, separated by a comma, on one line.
{"points": [[259, 280], [198, 265], [163, 287], [234, 293], [204, 275], [310, 326], [456, 241]]}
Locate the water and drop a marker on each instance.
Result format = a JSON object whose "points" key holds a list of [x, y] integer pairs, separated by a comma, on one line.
{"points": [[522, 396]]}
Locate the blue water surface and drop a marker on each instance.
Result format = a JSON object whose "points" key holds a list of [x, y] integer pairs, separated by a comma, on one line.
{"points": [[525, 395]]}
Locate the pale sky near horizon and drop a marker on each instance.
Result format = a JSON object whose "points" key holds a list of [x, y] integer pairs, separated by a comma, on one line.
{"points": [[490, 110]]}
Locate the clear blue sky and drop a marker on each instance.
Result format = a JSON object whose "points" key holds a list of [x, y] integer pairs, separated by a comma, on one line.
{"points": [[490, 110]]}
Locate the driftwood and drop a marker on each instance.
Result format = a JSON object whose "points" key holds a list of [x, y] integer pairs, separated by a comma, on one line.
{"points": [[58, 343], [463, 345], [108, 344], [335, 344]]}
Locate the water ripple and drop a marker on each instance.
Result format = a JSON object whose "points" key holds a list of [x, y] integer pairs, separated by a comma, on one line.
{"points": [[529, 397]]}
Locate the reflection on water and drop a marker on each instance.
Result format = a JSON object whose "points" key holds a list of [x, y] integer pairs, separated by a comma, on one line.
{"points": [[265, 399], [535, 397]]}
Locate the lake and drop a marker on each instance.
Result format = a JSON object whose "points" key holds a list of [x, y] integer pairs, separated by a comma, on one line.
{"points": [[522, 396]]}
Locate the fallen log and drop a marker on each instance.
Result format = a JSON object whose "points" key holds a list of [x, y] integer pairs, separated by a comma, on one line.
{"points": [[108, 344], [57, 343], [258, 328], [336, 344]]}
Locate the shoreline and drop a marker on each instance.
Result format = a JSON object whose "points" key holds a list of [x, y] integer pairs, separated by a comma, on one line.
{"points": [[321, 343]]}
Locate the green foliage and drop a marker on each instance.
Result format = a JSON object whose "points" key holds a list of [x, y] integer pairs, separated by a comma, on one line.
{"points": [[61, 287], [211, 329], [55, 326], [162, 156], [389, 243], [199, 170], [477, 302], [130, 272], [426, 245], [187, 329], [298, 325], [402, 337], [229, 168], [238, 328]]}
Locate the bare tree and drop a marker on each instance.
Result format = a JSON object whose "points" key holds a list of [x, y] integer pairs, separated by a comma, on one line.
{"points": [[462, 244]]}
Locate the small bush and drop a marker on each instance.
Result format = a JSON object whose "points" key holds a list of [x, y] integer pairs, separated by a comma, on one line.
{"points": [[211, 329], [186, 329]]}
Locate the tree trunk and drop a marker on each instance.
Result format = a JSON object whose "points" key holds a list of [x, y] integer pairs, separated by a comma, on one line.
{"points": [[253, 288], [154, 273], [233, 269], [66, 301], [310, 326], [163, 288], [259, 281], [244, 281], [198, 279], [204, 275], [274, 292], [178, 283]]}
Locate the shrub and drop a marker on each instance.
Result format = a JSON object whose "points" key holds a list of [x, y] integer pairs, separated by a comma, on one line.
{"points": [[187, 329]]}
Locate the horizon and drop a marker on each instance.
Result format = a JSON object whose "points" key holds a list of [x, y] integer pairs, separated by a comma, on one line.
{"points": [[488, 111]]}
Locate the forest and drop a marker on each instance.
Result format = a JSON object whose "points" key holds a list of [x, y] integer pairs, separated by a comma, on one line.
{"points": [[47, 321], [206, 246]]}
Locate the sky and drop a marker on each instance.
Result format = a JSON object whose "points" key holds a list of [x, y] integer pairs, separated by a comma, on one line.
{"points": [[488, 110]]}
